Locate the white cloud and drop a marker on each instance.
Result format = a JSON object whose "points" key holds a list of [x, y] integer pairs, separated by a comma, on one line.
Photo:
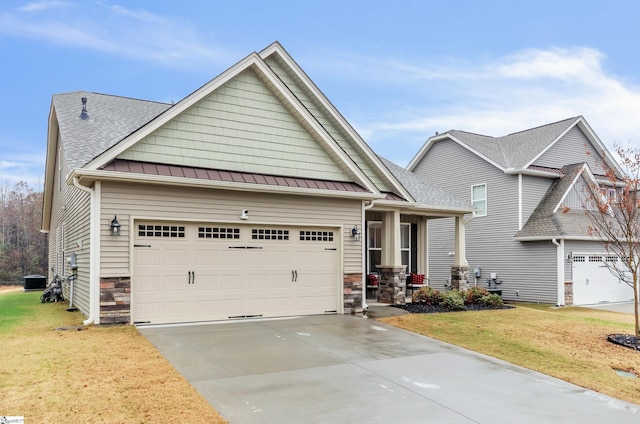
{"points": [[500, 96], [39, 6], [165, 41]]}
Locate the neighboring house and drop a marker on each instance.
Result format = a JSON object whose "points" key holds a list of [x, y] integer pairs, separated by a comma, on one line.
{"points": [[248, 198], [529, 229]]}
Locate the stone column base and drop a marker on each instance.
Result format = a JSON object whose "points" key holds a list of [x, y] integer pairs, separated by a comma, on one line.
{"points": [[392, 284], [459, 277]]}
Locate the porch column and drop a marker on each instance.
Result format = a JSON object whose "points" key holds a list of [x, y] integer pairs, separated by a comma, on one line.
{"points": [[392, 281], [460, 268], [423, 247]]}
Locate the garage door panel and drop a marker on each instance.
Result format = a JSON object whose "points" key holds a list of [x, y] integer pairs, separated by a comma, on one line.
{"points": [[277, 275], [594, 283]]}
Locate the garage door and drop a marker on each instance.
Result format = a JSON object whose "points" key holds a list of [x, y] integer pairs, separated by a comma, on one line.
{"points": [[593, 282], [190, 272]]}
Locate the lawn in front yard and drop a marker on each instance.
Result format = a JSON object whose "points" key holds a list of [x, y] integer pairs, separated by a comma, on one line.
{"points": [[568, 343], [97, 375]]}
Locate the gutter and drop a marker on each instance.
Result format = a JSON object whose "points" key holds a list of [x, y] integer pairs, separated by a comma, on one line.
{"points": [[559, 270], [93, 295]]}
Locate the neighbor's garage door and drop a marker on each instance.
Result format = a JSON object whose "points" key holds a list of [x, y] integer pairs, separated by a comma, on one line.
{"points": [[189, 272], [594, 283]]}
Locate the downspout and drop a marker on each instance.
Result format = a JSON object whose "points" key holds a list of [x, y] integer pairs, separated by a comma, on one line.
{"points": [[365, 208], [560, 270], [93, 295]]}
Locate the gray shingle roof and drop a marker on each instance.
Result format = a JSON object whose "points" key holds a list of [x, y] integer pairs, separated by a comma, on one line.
{"points": [[109, 119], [543, 222], [422, 190], [518, 149]]}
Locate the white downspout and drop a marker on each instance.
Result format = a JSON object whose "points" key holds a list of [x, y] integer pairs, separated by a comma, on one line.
{"points": [[364, 253], [560, 269], [94, 243]]}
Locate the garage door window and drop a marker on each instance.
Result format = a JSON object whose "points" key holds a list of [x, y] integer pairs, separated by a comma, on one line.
{"points": [[168, 231], [269, 234], [218, 233], [316, 235]]}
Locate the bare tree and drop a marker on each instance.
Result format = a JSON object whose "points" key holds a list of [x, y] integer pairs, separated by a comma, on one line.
{"points": [[613, 209]]}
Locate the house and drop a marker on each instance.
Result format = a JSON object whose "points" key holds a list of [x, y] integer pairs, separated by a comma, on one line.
{"points": [[529, 236], [250, 197]]}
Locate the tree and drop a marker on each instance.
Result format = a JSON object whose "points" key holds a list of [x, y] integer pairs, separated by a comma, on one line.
{"points": [[614, 216]]}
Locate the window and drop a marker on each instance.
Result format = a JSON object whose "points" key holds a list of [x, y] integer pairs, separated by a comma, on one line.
{"points": [[171, 231], [374, 246], [316, 235], [479, 199], [269, 234], [405, 245], [218, 233]]}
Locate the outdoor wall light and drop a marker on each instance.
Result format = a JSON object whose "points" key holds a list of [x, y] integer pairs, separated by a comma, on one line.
{"points": [[115, 226], [355, 233]]}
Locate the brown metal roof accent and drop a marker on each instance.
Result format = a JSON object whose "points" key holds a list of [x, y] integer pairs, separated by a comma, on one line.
{"points": [[147, 168], [393, 196], [546, 169]]}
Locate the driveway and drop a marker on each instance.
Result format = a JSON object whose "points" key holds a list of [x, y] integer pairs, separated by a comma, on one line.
{"points": [[624, 307], [344, 369]]}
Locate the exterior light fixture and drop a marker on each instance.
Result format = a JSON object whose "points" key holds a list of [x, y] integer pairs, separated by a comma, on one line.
{"points": [[115, 226], [355, 233]]}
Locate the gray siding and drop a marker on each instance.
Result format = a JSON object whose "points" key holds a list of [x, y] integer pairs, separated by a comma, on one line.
{"points": [[574, 147], [526, 268], [69, 233], [176, 203], [533, 190]]}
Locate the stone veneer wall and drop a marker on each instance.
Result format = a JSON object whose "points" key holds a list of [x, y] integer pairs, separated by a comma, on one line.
{"points": [[115, 300], [352, 294], [568, 293], [392, 285], [459, 277]]}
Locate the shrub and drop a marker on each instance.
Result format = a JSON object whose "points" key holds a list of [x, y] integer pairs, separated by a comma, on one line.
{"points": [[453, 301], [492, 300], [474, 295], [427, 295]]}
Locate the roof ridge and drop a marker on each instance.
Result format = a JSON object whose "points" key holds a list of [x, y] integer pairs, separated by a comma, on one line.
{"points": [[540, 126], [112, 95]]}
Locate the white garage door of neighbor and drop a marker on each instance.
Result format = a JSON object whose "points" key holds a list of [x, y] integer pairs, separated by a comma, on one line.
{"points": [[593, 282], [193, 272]]}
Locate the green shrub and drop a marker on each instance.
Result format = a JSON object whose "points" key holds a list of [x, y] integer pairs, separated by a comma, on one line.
{"points": [[453, 301], [474, 295], [492, 300], [427, 295]]}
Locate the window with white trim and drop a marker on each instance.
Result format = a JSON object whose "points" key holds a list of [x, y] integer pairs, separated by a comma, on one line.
{"points": [[374, 246], [479, 199], [405, 245]]}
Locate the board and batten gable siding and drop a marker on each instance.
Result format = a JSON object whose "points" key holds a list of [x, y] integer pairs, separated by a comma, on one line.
{"points": [[332, 127], [241, 127], [71, 213], [177, 204], [573, 147], [525, 268]]}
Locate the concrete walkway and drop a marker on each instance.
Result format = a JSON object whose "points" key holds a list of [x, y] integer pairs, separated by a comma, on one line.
{"points": [[343, 369]]}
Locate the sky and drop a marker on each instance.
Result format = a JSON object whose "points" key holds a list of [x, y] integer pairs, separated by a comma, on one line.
{"points": [[398, 71]]}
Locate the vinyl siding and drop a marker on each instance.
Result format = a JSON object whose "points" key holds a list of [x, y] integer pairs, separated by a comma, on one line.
{"points": [[533, 190], [242, 127], [527, 268], [332, 127], [578, 246], [199, 205], [71, 212], [573, 147]]}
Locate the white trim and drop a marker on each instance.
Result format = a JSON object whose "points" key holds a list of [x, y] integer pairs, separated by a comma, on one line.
{"points": [[486, 200], [571, 186], [553, 142], [559, 270], [520, 202]]}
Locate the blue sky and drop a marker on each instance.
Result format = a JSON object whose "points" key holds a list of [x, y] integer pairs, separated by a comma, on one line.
{"points": [[397, 70]]}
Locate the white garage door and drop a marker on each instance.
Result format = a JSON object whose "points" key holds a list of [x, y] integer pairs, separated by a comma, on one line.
{"points": [[594, 283], [191, 272]]}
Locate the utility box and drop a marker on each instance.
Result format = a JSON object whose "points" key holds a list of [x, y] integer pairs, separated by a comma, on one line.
{"points": [[35, 282]]}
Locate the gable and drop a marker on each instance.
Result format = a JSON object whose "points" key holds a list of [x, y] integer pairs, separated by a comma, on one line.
{"points": [[241, 126], [572, 147], [334, 128]]}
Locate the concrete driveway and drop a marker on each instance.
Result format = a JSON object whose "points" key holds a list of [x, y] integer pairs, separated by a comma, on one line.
{"points": [[624, 307], [343, 369]]}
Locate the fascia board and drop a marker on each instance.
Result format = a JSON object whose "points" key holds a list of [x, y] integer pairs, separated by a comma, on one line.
{"points": [[412, 207], [87, 176], [514, 171], [49, 168], [593, 137], [313, 123], [549, 238], [276, 48], [171, 113]]}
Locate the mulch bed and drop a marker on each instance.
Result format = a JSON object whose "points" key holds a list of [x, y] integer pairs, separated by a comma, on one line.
{"points": [[625, 340], [422, 308]]}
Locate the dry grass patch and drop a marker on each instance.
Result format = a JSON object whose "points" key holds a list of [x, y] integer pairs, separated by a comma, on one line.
{"points": [[567, 343], [98, 375]]}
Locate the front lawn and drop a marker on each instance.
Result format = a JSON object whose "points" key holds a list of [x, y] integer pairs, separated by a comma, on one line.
{"points": [[97, 375], [567, 343]]}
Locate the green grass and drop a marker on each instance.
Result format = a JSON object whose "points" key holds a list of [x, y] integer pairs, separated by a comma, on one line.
{"points": [[16, 308]]}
